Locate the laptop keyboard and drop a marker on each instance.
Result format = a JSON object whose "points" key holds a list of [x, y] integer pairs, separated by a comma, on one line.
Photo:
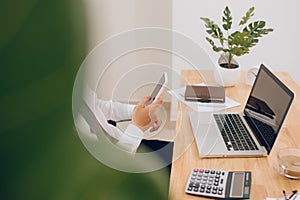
{"points": [[234, 133]]}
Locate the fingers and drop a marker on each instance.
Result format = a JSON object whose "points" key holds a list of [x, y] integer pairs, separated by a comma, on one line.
{"points": [[147, 116], [155, 117], [144, 101], [153, 128], [155, 125], [156, 104], [159, 100]]}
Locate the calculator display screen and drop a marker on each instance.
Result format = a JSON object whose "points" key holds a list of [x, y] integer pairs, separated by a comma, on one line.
{"points": [[237, 186]]}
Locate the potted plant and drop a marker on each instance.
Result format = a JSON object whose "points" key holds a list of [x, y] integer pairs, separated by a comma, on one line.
{"points": [[233, 43]]}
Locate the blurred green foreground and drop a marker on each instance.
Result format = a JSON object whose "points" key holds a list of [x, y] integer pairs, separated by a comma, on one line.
{"points": [[42, 44]]}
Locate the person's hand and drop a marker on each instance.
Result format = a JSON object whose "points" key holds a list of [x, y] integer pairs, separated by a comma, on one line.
{"points": [[147, 116], [154, 114]]}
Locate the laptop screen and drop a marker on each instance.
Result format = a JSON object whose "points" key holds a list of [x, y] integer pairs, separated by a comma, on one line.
{"points": [[267, 107]]}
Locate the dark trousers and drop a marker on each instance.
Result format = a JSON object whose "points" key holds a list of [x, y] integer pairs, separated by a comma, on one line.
{"points": [[165, 155], [154, 145]]}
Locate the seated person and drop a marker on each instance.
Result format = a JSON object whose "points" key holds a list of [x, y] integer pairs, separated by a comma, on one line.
{"points": [[142, 118]]}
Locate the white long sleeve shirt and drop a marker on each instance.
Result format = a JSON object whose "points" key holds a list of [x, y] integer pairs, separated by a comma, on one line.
{"points": [[128, 140]]}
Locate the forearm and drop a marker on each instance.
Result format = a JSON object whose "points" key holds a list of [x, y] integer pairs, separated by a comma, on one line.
{"points": [[131, 138], [114, 110]]}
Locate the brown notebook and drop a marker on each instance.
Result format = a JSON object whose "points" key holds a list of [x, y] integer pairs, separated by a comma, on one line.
{"points": [[205, 93]]}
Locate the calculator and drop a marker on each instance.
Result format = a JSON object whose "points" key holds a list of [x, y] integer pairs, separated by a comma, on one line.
{"points": [[219, 184]]}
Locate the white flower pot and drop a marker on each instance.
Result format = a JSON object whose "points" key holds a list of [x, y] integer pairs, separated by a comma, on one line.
{"points": [[227, 77]]}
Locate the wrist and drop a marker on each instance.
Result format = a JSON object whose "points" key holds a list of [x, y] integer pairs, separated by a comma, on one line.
{"points": [[141, 127]]}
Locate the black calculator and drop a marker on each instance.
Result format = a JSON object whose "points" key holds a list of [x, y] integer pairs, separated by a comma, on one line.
{"points": [[219, 184]]}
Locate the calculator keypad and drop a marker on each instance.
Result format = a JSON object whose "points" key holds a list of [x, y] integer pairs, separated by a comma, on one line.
{"points": [[207, 182]]}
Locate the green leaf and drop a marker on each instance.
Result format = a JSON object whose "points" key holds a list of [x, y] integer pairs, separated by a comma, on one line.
{"points": [[266, 31], [256, 29], [261, 24], [239, 51], [241, 39], [214, 47], [227, 19], [248, 15], [213, 29]]}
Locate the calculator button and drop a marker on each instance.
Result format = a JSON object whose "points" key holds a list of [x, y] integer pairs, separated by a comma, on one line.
{"points": [[191, 184], [220, 192], [196, 189], [190, 188], [196, 170]]}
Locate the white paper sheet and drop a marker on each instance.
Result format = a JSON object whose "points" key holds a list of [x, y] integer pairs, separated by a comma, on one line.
{"points": [[296, 197]]}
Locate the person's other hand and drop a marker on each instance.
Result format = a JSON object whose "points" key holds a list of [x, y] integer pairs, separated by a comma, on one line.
{"points": [[147, 116]]}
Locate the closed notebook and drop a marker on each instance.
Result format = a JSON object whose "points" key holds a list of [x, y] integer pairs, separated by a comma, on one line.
{"points": [[205, 93]]}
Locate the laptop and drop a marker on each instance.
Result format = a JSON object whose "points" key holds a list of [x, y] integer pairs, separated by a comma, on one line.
{"points": [[250, 133]]}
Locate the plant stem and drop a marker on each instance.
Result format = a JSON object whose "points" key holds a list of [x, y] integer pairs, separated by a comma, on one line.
{"points": [[230, 56]]}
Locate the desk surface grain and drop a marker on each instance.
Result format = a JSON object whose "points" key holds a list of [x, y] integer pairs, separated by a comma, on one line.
{"points": [[266, 180]]}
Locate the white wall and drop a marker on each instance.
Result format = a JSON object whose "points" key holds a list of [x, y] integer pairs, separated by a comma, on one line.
{"points": [[107, 18], [278, 50]]}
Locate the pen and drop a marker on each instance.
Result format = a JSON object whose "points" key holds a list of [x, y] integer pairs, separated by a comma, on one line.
{"points": [[294, 192], [284, 195]]}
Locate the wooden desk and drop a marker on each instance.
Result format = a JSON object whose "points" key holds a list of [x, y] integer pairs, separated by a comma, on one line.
{"points": [[266, 181]]}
